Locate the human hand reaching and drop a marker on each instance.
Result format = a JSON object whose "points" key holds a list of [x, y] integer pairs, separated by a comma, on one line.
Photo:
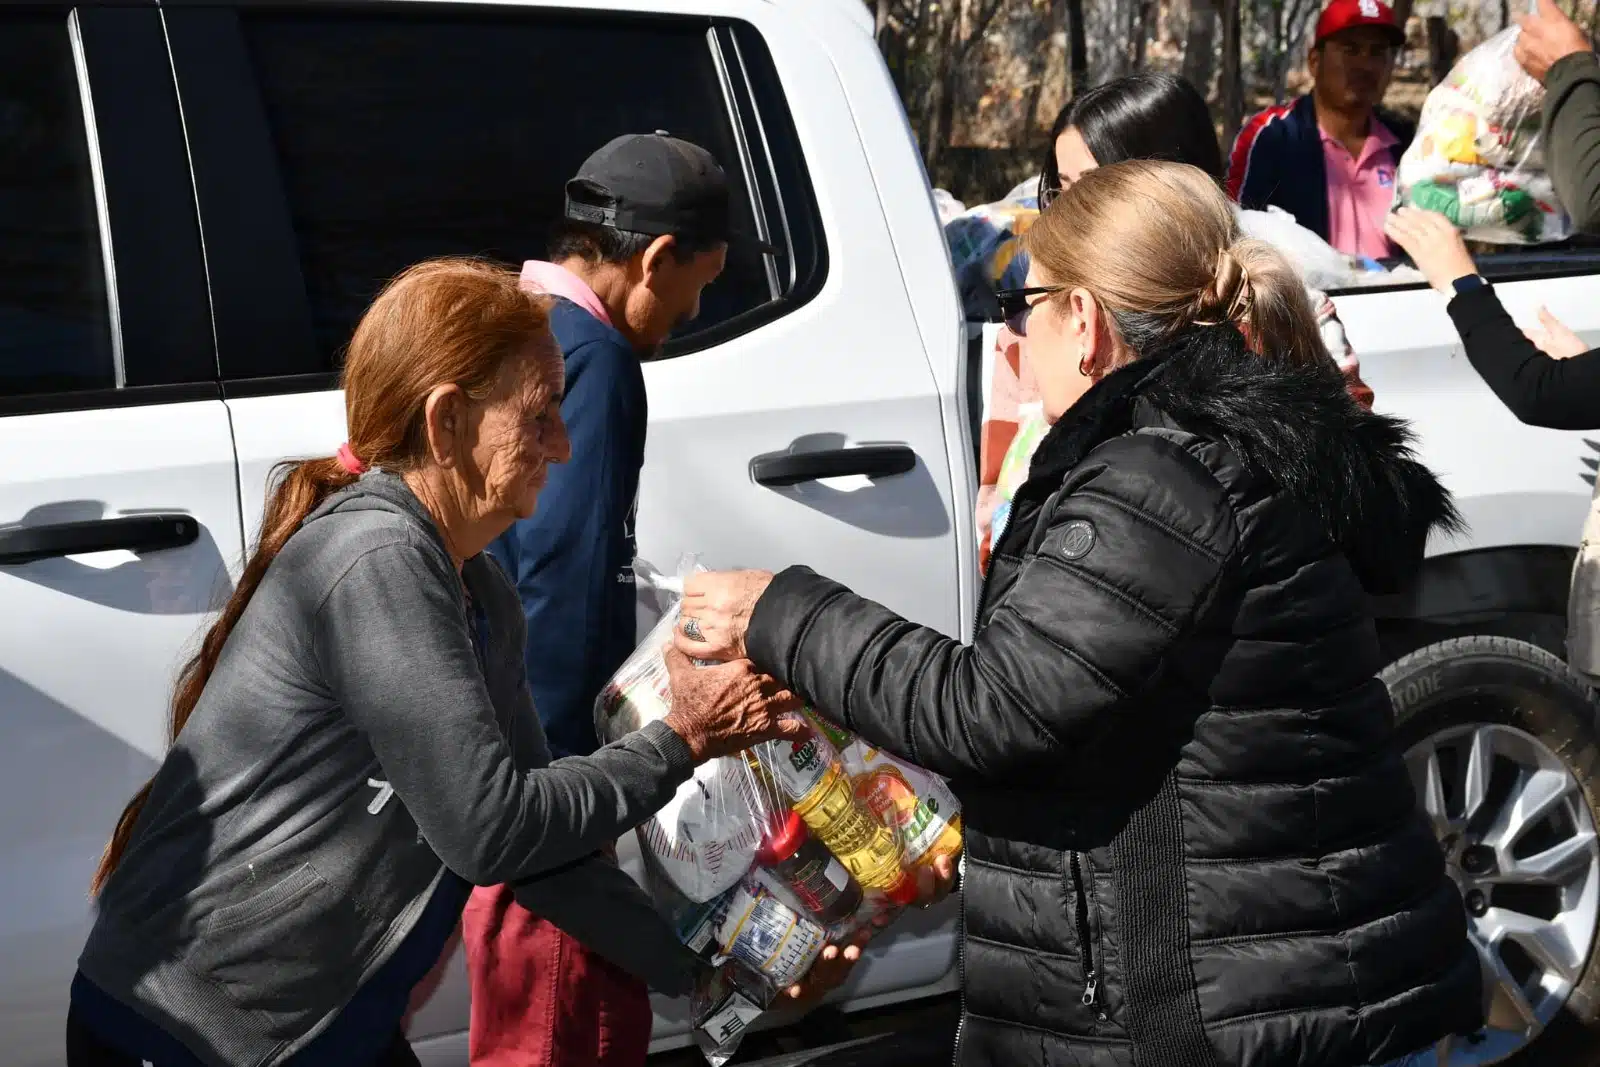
{"points": [[1553, 338], [1434, 245], [724, 708], [1547, 36], [716, 610], [833, 966]]}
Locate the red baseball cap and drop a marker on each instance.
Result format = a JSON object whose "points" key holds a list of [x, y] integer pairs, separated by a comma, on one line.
{"points": [[1344, 15]]}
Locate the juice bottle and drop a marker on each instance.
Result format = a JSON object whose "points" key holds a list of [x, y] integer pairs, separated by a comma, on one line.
{"points": [[811, 777]]}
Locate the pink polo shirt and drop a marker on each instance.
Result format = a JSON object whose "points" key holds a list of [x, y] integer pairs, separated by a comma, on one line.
{"points": [[1360, 191]]}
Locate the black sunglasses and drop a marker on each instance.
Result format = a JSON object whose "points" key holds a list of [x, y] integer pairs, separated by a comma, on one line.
{"points": [[1015, 307]]}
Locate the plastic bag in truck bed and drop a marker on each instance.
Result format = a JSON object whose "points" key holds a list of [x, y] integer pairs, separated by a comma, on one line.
{"points": [[760, 859], [1478, 159]]}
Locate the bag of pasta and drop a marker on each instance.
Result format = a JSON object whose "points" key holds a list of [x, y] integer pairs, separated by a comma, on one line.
{"points": [[1478, 159]]}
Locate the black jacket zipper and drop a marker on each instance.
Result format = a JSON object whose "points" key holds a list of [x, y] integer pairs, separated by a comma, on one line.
{"points": [[961, 967], [1091, 976]]}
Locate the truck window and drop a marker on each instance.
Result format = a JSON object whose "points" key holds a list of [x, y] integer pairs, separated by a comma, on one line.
{"points": [[403, 136], [55, 324]]}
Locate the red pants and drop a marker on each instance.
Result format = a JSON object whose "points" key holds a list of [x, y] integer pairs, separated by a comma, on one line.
{"points": [[541, 999]]}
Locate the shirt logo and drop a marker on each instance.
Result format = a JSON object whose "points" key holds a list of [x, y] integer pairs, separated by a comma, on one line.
{"points": [[1386, 177]]}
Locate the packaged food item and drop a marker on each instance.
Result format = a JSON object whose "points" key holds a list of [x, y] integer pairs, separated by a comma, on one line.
{"points": [[811, 777], [1477, 158], [706, 837], [758, 946], [914, 803], [760, 859], [813, 874], [723, 1007], [753, 926]]}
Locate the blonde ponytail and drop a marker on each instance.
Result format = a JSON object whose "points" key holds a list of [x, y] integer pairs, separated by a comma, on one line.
{"points": [[1278, 321]]}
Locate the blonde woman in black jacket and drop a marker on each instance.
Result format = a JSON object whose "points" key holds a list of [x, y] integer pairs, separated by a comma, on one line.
{"points": [[1190, 839]]}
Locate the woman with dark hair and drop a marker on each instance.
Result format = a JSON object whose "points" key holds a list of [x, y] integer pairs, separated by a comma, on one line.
{"points": [[1147, 115]]}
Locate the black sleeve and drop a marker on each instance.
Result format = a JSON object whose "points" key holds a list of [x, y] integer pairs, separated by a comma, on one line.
{"points": [[1076, 635], [1561, 394]]}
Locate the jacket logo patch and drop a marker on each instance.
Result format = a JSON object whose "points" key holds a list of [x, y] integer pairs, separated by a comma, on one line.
{"points": [[1077, 538]]}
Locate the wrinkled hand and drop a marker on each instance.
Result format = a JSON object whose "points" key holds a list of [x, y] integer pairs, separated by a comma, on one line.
{"points": [[1434, 245], [1547, 36], [1553, 338], [715, 614], [725, 708], [827, 974]]}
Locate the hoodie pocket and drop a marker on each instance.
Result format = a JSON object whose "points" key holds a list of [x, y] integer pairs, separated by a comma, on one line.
{"points": [[282, 950]]}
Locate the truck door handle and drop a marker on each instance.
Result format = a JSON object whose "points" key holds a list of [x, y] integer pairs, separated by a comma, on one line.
{"points": [[779, 469], [136, 533]]}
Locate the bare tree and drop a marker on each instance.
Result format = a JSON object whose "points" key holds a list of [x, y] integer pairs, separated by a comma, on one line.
{"points": [[1143, 15], [1282, 25], [1230, 92], [1199, 52], [957, 40], [1055, 22], [1077, 49]]}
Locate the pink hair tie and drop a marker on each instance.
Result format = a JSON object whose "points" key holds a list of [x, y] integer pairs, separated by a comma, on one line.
{"points": [[348, 459]]}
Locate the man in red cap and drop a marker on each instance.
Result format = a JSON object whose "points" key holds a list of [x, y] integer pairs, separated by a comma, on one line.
{"points": [[1329, 158]]}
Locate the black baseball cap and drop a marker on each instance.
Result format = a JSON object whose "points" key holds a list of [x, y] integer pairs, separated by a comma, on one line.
{"points": [[654, 183]]}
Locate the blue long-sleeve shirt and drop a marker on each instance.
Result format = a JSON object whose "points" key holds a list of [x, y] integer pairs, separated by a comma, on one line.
{"points": [[573, 560]]}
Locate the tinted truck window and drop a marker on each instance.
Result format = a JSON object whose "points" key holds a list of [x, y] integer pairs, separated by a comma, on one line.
{"points": [[403, 137], [55, 328]]}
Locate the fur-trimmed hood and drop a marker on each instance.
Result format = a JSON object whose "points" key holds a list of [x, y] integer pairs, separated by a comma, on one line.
{"points": [[1295, 425]]}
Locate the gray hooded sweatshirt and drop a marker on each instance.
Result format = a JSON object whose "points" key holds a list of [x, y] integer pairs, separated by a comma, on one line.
{"points": [[347, 749]]}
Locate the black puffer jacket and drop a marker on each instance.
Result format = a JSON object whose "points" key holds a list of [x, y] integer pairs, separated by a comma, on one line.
{"points": [[1190, 841]]}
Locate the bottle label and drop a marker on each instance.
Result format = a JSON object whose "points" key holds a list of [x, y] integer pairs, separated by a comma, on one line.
{"points": [[798, 766], [836, 875], [916, 805]]}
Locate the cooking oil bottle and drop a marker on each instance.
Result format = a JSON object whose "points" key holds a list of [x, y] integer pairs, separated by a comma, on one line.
{"points": [[811, 777], [914, 803]]}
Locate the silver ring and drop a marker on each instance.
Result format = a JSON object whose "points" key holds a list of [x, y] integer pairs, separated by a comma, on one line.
{"points": [[691, 629]]}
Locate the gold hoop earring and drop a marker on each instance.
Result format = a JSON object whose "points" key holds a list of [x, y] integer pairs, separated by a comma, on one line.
{"points": [[1086, 366]]}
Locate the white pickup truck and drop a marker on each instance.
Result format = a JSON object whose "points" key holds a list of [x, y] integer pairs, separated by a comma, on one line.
{"points": [[198, 197]]}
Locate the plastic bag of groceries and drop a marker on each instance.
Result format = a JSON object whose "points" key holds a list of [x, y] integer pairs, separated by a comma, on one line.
{"points": [[761, 859], [1477, 157]]}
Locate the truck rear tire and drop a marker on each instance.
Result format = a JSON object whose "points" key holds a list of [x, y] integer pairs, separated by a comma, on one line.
{"points": [[1503, 743]]}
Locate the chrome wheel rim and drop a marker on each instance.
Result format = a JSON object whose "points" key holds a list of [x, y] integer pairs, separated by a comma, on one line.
{"points": [[1520, 843]]}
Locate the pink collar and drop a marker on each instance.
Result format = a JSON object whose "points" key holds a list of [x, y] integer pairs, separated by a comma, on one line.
{"points": [[1379, 137], [541, 277]]}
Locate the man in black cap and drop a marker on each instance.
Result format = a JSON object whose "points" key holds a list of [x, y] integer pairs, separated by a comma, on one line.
{"points": [[646, 228]]}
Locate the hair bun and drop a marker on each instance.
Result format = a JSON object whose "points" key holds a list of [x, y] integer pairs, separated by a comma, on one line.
{"points": [[1229, 296]]}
